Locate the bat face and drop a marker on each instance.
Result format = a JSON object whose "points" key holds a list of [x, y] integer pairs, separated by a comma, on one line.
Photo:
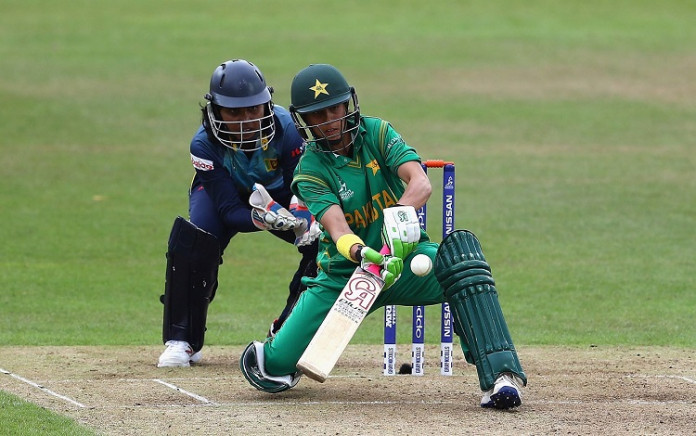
{"points": [[358, 295], [340, 324]]}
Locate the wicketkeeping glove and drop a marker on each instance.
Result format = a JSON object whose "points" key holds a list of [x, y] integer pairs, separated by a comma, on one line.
{"points": [[401, 230], [392, 266], [267, 214], [309, 229]]}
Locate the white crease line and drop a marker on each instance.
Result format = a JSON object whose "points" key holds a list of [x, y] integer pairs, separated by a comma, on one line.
{"points": [[266, 405], [678, 377], [286, 403], [397, 376], [617, 401], [178, 389], [38, 386]]}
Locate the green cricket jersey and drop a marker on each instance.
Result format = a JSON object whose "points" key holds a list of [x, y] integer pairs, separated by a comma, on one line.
{"points": [[362, 185]]}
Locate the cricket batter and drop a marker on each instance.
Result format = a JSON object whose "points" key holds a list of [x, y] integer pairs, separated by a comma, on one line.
{"points": [[363, 183], [244, 154]]}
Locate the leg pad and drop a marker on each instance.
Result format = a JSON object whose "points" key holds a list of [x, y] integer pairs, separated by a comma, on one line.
{"points": [[193, 258], [466, 278]]}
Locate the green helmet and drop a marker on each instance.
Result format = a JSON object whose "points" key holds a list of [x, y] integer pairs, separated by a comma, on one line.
{"points": [[317, 87], [320, 86]]}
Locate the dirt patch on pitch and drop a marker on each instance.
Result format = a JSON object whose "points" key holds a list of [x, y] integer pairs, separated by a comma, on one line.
{"points": [[595, 390]]}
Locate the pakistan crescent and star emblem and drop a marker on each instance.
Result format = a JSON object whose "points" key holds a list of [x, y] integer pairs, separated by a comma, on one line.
{"points": [[374, 166], [319, 88]]}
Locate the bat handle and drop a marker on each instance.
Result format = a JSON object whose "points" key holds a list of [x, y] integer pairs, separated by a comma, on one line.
{"points": [[375, 269]]}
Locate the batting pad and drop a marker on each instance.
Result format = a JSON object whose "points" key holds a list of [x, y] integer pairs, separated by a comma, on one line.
{"points": [[193, 258], [466, 277]]}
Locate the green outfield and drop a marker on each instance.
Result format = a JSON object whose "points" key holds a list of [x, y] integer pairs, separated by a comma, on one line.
{"points": [[572, 125]]}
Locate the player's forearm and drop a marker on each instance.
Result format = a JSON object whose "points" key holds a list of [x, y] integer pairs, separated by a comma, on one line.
{"points": [[239, 220], [416, 194], [418, 187], [335, 223], [234, 213]]}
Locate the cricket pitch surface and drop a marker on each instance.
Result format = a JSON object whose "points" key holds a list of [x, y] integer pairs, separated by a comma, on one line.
{"points": [[571, 390]]}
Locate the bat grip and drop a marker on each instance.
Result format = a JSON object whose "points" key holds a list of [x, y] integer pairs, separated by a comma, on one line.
{"points": [[375, 269]]}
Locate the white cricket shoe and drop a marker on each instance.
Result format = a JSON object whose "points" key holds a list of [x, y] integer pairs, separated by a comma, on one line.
{"points": [[178, 353], [506, 392]]}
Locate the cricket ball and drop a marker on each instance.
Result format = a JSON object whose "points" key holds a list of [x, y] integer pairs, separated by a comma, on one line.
{"points": [[421, 265]]}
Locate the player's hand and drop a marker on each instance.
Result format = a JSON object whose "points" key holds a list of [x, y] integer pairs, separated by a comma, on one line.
{"points": [[401, 230], [308, 229], [391, 266], [308, 237], [267, 214]]}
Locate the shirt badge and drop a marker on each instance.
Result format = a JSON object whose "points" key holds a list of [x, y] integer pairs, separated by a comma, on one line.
{"points": [[374, 166]]}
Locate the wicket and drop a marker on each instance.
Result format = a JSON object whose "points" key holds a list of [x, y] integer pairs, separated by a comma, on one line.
{"points": [[418, 330]]}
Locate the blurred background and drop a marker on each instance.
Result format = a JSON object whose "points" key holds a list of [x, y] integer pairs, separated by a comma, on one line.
{"points": [[572, 125]]}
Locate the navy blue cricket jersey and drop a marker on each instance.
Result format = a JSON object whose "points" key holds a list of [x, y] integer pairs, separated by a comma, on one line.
{"points": [[228, 176]]}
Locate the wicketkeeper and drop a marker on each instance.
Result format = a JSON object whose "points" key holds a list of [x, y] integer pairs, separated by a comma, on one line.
{"points": [[363, 183], [244, 154]]}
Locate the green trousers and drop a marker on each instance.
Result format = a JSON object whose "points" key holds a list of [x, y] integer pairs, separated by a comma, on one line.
{"points": [[283, 351]]}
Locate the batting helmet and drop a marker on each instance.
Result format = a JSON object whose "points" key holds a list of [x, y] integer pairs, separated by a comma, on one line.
{"points": [[237, 84], [320, 86]]}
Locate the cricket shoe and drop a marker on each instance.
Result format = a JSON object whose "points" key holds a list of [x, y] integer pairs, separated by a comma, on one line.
{"points": [[252, 365], [178, 354], [506, 392]]}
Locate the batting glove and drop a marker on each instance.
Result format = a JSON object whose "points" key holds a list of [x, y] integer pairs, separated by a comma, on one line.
{"points": [[391, 266], [401, 230]]}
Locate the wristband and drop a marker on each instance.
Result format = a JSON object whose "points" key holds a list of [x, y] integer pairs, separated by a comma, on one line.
{"points": [[345, 242], [358, 253]]}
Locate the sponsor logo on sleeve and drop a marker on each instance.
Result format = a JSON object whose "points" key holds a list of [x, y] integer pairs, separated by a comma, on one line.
{"points": [[202, 164]]}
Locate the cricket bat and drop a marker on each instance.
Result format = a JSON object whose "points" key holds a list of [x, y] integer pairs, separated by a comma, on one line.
{"points": [[341, 323]]}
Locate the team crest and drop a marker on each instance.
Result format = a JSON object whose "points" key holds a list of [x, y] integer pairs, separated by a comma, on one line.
{"points": [[374, 166], [319, 88], [271, 164]]}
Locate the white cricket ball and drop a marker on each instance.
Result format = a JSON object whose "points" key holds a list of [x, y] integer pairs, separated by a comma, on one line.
{"points": [[421, 265]]}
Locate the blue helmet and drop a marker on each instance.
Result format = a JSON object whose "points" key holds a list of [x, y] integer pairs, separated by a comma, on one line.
{"points": [[239, 84]]}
